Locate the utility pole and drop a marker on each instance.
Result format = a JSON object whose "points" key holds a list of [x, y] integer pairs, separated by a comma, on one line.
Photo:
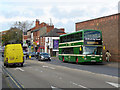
{"points": [[1, 39]]}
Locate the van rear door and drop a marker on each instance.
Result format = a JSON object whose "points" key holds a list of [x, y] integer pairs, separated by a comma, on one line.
{"points": [[10, 53], [18, 53]]}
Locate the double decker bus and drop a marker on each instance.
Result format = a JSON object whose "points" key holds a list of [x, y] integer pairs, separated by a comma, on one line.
{"points": [[81, 46]]}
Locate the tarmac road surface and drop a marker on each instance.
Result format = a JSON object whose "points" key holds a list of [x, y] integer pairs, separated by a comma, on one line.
{"points": [[37, 74]]}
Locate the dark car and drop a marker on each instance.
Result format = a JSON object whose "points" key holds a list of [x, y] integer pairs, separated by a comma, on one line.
{"points": [[37, 54], [44, 56]]}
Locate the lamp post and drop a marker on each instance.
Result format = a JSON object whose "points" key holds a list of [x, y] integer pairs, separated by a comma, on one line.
{"points": [[1, 39], [16, 37]]}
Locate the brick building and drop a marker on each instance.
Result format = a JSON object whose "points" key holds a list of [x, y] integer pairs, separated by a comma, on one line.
{"points": [[37, 28], [109, 27], [36, 32], [50, 41]]}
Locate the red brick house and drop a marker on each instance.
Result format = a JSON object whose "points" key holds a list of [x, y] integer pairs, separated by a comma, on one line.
{"points": [[39, 29]]}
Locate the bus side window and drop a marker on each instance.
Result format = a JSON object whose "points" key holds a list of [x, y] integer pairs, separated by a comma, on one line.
{"points": [[68, 38], [80, 36], [72, 37], [77, 37], [62, 51], [61, 39], [64, 38]]}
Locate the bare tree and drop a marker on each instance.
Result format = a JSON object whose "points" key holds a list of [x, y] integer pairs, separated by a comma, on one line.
{"points": [[24, 26]]}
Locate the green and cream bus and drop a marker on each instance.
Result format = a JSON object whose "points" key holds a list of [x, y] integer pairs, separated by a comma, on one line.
{"points": [[81, 46]]}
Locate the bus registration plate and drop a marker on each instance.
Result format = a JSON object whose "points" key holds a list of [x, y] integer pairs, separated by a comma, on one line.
{"points": [[93, 61]]}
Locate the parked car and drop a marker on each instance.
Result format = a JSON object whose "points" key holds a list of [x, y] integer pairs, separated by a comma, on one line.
{"points": [[44, 56], [32, 54], [25, 53], [37, 54]]}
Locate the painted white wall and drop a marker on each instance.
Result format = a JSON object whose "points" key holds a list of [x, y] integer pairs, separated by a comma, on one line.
{"points": [[50, 43], [32, 38]]}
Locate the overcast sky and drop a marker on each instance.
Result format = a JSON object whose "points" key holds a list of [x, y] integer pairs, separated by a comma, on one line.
{"points": [[63, 13]]}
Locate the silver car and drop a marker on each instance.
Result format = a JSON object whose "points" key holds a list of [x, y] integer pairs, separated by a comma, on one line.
{"points": [[44, 56]]}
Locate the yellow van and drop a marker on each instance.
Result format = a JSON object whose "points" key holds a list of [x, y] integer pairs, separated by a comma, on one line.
{"points": [[13, 54]]}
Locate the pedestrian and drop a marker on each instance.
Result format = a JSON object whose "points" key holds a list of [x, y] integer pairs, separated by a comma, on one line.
{"points": [[26, 56], [29, 55], [107, 55]]}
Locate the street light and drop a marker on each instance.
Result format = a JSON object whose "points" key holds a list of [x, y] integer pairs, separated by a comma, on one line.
{"points": [[16, 37]]}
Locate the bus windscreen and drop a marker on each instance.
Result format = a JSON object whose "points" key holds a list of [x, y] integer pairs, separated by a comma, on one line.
{"points": [[92, 35]]}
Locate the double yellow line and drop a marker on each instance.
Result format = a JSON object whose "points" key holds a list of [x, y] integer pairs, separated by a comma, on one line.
{"points": [[13, 79]]}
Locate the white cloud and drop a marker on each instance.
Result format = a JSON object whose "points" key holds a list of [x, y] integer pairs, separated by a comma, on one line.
{"points": [[66, 10]]}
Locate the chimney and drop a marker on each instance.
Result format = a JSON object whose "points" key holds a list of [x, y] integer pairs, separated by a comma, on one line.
{"points": [[62, 29], [37, 23]]}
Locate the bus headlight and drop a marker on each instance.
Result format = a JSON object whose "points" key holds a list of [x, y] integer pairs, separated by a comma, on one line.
{"points": [[100, 58], [85, 58]]}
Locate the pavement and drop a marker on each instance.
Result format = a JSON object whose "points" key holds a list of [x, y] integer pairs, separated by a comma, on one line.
{"points": [[112, 64]]}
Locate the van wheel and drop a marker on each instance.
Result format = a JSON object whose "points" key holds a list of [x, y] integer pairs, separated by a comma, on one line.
{"points": [[4, 64], [7, 65], [22, 65]]}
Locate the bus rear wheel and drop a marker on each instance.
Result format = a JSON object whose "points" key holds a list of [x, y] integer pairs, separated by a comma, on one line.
{"points": [[77, 60], [63, 59]]}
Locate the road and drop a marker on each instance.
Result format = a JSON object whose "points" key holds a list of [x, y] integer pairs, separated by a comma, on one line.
{"points": [[101, 68], [56, 74]]}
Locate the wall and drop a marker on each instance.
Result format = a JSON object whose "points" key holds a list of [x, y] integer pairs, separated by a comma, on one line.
{"points": [[49, 28], [109, 27]]}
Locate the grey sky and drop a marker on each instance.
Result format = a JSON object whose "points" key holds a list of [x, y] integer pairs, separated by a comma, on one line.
{"points": [[64, 13]]}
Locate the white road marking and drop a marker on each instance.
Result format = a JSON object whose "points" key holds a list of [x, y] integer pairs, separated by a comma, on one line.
{"points": [[114, 84], [53, 87], [48, 67], [19, 69], [78, 85], [44, 66], [51, 67]]}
